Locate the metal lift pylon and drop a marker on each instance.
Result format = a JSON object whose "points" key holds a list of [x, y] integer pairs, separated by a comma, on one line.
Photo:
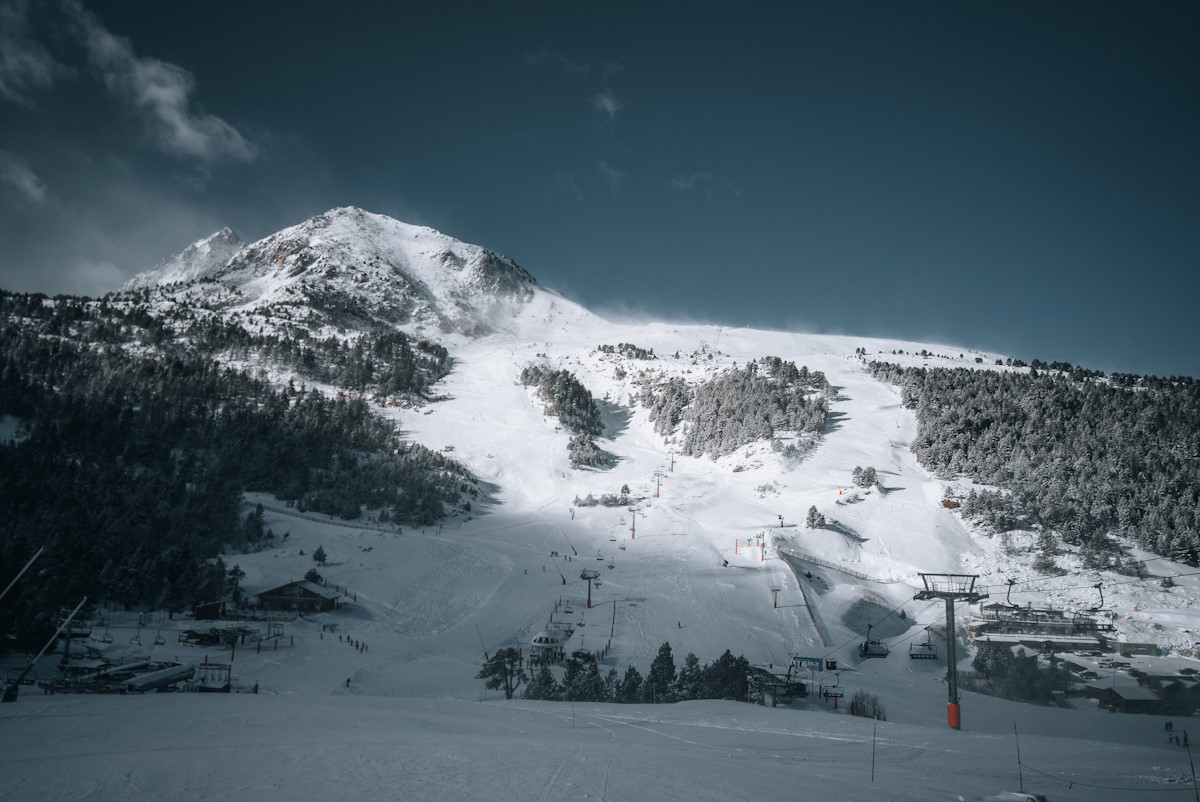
{"points": [[952, 588]]}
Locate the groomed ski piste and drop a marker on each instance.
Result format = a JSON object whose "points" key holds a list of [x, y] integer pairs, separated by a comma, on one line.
{"points": [[397, 712]]}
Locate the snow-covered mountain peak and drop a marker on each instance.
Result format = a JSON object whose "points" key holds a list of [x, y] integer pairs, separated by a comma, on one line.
{"points": [[354, 268], [197, 260]]}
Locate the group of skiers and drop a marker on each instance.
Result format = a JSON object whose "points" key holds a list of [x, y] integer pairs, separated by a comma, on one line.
{"points": [[1169, 729], [362, 647]]}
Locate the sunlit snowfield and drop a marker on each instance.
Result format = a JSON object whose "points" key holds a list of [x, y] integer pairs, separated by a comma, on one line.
{"points": [[414, 723]]}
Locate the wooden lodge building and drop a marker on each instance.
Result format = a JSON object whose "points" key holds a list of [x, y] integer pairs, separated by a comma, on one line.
{"points": [[300, 596]]}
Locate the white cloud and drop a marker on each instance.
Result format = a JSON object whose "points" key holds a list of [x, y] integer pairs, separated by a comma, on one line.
{"points": [[25, 66], [606, 104], [680, 185], [17, 173], [707, 184], [611, 177], [161, 92], [94, 277], [561, 183], [610, 68]]}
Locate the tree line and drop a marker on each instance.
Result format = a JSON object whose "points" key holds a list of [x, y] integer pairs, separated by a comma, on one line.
{"points": [[129, 465], [1084, 458], [723, 678]]}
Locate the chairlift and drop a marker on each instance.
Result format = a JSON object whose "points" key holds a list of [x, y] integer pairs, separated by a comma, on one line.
{"points": [[1008, 595], [872, 648], [159, 640], [923, 651], [1100, 587], [569, 610], [621, 547], [136, 640]]}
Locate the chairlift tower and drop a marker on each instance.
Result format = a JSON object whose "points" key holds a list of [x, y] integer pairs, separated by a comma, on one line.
{"points": [[952, 588], [589, 574]]}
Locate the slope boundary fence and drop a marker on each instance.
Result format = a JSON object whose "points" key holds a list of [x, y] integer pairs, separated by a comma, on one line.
{"points": [[800, 555]]}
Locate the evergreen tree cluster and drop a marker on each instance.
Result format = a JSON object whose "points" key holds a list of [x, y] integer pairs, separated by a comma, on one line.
{"points": [[605, 499], [1084, 458], [566, 398], [386, 365], [584, 452], [628, 350], [1017, 676], [864, 477], [724, 678], [130, 464], [667, 406], [740, 406]]}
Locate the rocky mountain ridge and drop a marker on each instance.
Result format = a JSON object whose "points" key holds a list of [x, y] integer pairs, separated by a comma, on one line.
{"points": [[348, 268]]}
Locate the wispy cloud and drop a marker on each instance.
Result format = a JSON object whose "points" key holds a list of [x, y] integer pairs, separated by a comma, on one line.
{"points": [[25, 65], [680, 185], [544, 57], [611, 177], [161, 92], [16, 172], [94, 277], [707, 184], [606, 104], [562, 184]]}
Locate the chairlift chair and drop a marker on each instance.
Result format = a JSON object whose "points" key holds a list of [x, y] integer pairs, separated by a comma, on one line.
{"points": [[159, 640], [872, 648], [923, 651], [106, 638]]}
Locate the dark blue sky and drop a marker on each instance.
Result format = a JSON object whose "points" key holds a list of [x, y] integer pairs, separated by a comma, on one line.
{"points": [[1022, 177]]}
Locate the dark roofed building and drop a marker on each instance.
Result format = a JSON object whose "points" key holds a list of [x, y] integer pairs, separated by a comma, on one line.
{"points": [[1124, 697], [300, 596]]}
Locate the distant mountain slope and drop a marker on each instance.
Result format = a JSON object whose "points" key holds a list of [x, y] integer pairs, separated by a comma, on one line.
{"points": [[196, 261]]}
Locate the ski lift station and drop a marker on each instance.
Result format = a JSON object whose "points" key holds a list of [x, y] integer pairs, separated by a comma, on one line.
{"points": [[547, 646]]}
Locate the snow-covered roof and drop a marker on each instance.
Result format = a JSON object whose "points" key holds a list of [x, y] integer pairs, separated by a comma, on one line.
{"points": [[311, 587]]}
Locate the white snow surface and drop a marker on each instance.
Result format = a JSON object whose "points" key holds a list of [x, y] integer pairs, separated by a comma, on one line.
{"points": [[195, 261], [361, 267], [414, 723]]}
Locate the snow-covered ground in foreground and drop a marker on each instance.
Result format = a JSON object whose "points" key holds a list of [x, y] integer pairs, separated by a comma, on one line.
{"points": [[414, 723], [332, 746]]}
